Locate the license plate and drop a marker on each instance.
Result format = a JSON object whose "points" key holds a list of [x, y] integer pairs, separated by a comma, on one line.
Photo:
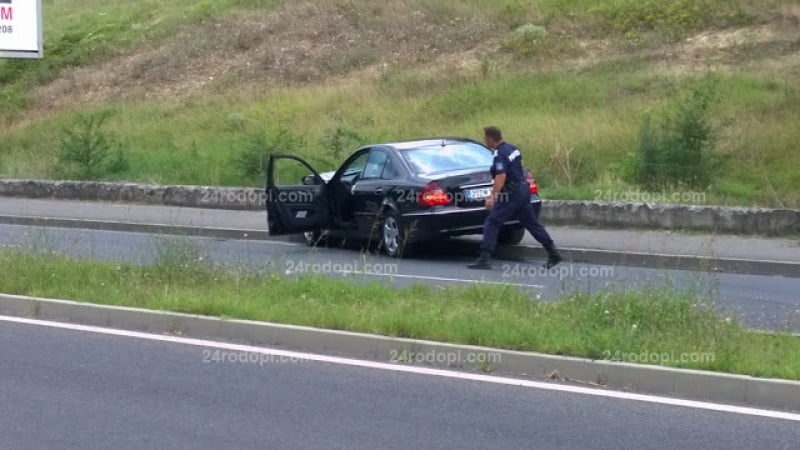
{"points": [[479, 194]]}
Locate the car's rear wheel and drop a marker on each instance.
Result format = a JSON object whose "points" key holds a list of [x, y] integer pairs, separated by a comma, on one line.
{"points": [[392, 234], [511, 236]]}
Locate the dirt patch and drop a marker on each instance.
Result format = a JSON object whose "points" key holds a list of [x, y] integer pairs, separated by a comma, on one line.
{"points": [[730, 49], [304, 42], [308, 42]]}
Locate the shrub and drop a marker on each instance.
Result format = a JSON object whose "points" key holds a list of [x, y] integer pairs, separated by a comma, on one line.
{"points": [[236, 121], [251, 163], [677, 145], [88, 152], [674, 18], [341, 139], [527, 40], [534, 41]]}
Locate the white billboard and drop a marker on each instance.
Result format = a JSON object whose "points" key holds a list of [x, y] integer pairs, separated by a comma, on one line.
{"points": [[21, 29]]}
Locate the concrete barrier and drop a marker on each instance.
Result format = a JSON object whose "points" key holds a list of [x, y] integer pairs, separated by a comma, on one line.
{"points": [[716, 219], [238, 198], [712, 219]]}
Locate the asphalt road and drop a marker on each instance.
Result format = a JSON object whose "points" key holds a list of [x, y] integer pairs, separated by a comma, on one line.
{"points": [[637, 241], [82, 390], [761, 301]]}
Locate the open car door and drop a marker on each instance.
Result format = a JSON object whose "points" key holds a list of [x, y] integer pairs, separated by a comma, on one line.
{"points": [[297, 196]]}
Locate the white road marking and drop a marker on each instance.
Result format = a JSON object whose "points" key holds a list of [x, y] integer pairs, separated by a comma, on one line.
{"points": [[673, 255], [91, 230], [267, 242], [416, 370], [424, 277]]}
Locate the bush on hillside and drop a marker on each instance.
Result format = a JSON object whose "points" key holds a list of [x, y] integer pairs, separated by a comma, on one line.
{"points": [[528, 40], [88, 152], [341, 140], [251, 162], [677, 144], [674, 18]]}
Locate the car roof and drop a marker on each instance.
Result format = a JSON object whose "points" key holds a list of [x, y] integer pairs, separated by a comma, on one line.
{"points": [[427, 142]]}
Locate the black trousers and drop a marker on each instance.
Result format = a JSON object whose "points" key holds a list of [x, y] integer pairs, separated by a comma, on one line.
{"points": [[515, 205]]}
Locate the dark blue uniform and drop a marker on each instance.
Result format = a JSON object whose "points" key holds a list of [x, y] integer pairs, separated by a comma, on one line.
{"points": [[515, 201]]}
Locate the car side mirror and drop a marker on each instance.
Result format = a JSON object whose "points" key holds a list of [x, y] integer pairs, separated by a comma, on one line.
{"points": [[310, 180]]}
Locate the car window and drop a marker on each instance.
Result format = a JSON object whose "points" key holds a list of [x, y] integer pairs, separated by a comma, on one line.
{"points": [[375, 164], [437, 158], [355, 167], [389, 171]]}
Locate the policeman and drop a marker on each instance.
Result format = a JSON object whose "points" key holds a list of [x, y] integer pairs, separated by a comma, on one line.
{"points": [[510, 199]]}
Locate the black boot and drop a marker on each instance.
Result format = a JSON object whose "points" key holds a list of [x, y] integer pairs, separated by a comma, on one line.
{"points": [[553, 257], [482, 262]]}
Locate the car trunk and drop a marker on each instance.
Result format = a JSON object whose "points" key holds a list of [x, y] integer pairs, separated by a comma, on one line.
{"points": [[466, 188]]}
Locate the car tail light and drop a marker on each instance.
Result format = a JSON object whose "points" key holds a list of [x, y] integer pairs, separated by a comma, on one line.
{"points": [[433, 195], [532, 182]]}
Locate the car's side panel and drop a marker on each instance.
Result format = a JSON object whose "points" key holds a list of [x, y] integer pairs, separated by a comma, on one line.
{"points": [[379, 180], [342, 187]]}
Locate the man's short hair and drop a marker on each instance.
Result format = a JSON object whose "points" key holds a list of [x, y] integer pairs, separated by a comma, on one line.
{"points": [[494, 133]]}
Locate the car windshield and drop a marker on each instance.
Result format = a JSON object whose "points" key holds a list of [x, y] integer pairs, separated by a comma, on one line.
{"points": [[437, 158]]}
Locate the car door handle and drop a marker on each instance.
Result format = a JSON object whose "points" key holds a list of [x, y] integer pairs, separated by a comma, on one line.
{"points": [[378, 191]]}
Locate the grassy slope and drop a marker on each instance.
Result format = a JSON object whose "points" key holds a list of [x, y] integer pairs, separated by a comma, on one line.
{"points": [[576, 113]]}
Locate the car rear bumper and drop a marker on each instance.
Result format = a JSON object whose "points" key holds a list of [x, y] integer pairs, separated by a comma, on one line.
{"points": [[449, 221]]}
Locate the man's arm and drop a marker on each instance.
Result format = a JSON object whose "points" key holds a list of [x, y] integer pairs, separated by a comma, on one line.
{"points": [[501, 163], [499, 182], [500, 166]]}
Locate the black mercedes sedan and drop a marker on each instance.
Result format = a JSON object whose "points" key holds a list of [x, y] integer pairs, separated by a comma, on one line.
{"points": [[394, 194]]}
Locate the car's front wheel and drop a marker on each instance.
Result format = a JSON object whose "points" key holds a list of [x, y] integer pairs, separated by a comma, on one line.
{"points": [[311, 238], [315, 238], [392, 235]]}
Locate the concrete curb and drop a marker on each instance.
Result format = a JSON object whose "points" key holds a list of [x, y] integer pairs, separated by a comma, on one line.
{"points": [[698, 385], [713, 219], [574, 255], [136, 227]]}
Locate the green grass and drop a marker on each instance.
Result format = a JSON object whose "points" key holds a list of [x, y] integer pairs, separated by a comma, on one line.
{"points": [[655, 321], [575, 130], [576, 126]]}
